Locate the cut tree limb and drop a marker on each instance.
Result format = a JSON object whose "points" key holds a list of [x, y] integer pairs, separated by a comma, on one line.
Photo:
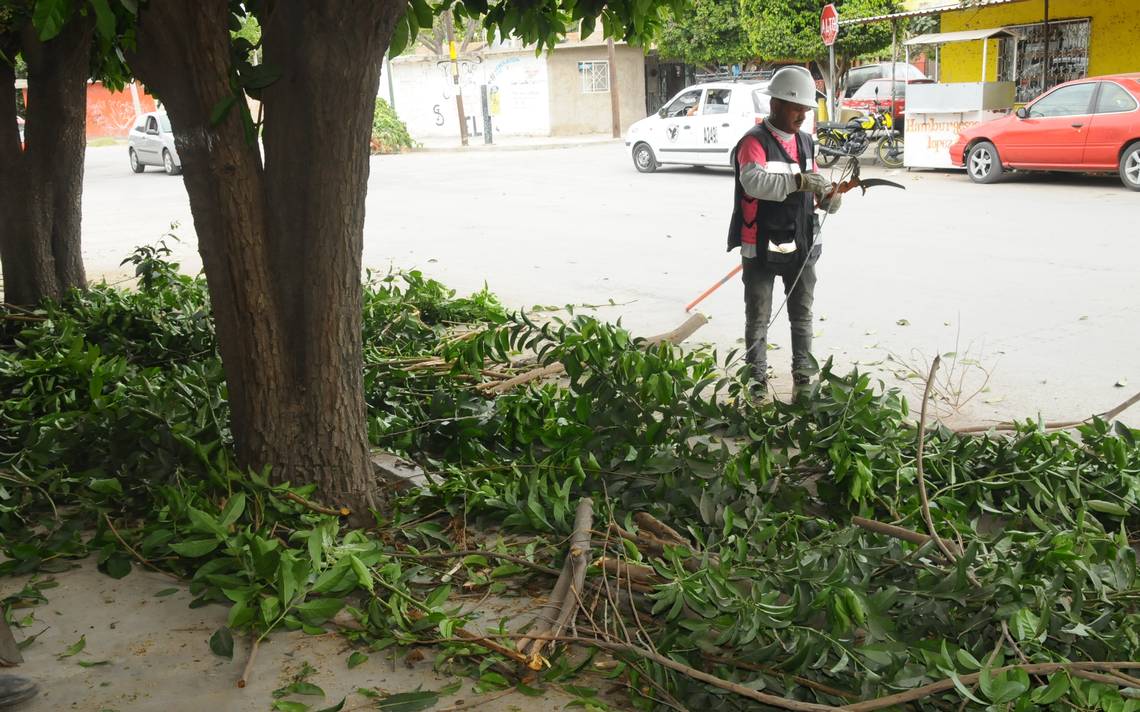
{"points": [[675, 337], [762, 697], [318, 508], [247, 671], [476, 552], [547, 371], [935, 688], [891, 530], [564, 602], [629, 571], [1108, 415], [800, 680], [659, 529], [650, 545], [926, 516]]}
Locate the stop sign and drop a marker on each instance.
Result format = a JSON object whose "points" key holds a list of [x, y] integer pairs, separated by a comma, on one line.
{"points": [[829, 25]]}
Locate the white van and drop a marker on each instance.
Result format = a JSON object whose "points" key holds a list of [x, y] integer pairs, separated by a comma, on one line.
{"points": [[700, 126]]}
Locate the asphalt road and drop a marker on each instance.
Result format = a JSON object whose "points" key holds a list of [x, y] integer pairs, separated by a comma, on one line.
{"points": [[1035, 280]]}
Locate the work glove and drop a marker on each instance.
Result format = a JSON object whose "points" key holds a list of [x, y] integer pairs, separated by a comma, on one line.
{"points": [[813, 183], [831, 205]]}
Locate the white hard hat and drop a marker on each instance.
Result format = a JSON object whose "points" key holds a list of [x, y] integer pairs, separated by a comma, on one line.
{"points": [[793, 84]]}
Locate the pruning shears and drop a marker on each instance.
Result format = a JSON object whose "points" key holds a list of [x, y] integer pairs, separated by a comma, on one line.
{"points": [[854, 181]]}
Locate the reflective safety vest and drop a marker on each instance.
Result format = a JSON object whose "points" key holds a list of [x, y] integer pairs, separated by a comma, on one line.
{"points": [[785, 230]]}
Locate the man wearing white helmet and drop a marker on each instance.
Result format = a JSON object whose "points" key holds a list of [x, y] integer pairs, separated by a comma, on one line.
{"points": [[774, 222]]}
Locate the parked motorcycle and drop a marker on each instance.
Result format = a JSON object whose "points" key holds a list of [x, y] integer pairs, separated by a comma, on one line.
{"points": [[839, 140]]}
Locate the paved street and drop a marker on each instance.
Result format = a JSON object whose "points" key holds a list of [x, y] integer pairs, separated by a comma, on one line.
{"points": [[1034, 279]]}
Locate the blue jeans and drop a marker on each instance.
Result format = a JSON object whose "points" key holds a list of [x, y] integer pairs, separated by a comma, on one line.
{"points": [[759, 281]]}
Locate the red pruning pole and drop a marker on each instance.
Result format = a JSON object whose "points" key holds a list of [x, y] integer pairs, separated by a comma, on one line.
{"points": [[713, 288]]}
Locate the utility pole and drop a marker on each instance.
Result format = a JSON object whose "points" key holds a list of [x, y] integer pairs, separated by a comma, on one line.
{"points": [[386, 69], [832, 89], [894, 65], [615, 98], [454, 56]]}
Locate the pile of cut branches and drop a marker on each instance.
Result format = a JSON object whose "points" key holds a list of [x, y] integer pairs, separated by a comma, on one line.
{"points": [[700, 550]]}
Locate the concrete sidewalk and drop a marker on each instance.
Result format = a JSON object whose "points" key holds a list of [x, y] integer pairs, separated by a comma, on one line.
{"points": [[512, 143]]}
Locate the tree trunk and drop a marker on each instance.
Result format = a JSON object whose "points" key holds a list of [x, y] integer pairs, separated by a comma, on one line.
{"points": [[842, 64], [42, 186], [281, 241]]}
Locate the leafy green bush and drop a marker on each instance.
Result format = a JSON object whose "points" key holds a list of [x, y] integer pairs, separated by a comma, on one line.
{"points": [[389, 134], [113, 433]]}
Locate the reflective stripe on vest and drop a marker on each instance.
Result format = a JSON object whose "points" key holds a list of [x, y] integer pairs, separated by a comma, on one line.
{"points": [[782, 168]]}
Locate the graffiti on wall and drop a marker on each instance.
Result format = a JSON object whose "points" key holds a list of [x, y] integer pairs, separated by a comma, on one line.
{"points": [[467, 66], [111, 114], [516, 86]]}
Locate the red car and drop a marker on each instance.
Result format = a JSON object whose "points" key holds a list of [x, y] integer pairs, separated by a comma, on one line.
{"points": [[877, 92], [1087, 126]]}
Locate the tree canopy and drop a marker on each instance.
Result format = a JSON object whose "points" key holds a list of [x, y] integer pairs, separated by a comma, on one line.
{"points": [[789, 29], [706, 33]]}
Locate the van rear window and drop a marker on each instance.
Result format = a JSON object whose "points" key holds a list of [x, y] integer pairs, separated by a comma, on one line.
{"points": [[761, 102]]}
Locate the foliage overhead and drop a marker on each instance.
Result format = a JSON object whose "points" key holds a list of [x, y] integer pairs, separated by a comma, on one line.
{"points": [[789, 29], [708, 32], [113, 21], [114, 433]]}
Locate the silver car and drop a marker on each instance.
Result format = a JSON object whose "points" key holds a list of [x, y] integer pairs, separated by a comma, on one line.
{"points": [[151, 143]]}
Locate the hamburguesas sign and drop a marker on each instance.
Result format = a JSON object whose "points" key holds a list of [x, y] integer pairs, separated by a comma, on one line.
{"points": [[929, 137]]}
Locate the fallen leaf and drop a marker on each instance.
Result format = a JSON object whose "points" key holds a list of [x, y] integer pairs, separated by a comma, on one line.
{"points": [[222, 643], [30, 639], [903, 322], [1121, 383], [75, 647]]}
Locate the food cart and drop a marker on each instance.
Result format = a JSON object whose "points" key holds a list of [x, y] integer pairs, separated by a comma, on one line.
{"points": [[935, 113]]}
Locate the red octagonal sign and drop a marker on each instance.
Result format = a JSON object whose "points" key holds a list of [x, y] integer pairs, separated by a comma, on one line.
{"points": [[829, 25]]}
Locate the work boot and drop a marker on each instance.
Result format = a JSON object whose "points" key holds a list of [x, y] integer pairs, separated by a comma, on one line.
{"points": [[801, 384], [15, 689], [758, 390], [757, 381]]}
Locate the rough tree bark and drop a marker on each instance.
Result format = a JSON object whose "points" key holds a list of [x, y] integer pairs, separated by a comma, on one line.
{"points": [[842, 64], [42, 186], [281, 240]]}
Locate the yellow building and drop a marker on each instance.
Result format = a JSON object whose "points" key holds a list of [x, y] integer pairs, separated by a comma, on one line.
{"points": [[1084, 38]]}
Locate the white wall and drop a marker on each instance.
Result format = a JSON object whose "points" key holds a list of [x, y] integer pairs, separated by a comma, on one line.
{"points": [[517, 85]]}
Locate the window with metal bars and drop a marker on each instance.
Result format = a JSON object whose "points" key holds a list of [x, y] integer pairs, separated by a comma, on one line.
{"points": [[595, 76], [1068, 56]]}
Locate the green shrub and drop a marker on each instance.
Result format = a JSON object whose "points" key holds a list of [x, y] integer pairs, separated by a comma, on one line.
{"points": [[114, 443], [389, 134]]}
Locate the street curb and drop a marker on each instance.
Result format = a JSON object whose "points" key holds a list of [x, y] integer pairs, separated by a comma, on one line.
{"points": [[515, 146]]}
